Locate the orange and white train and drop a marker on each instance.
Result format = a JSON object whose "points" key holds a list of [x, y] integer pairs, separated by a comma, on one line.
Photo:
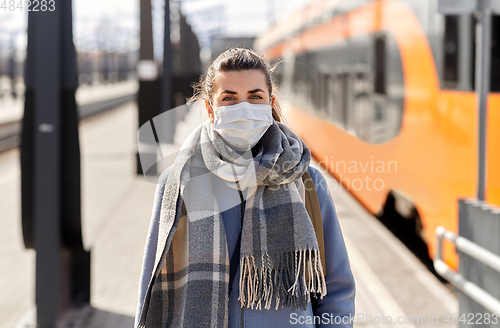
{"points": [[383, 93]]}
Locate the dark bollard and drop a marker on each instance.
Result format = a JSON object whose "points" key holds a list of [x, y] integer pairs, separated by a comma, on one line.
{"points": [[50, 166]]}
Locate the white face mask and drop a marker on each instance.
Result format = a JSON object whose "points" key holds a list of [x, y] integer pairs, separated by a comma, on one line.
{"points": [[243, 124]]}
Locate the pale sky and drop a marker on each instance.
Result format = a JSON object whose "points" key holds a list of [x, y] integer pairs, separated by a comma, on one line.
{"points": [[115, 23]]}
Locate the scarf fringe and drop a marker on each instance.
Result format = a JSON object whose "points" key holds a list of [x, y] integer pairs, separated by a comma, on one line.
{"points": [[292, 286]]}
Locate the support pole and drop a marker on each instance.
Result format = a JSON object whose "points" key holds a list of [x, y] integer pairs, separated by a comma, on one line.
{"points": [[149, 84], [483, 66], [50, 166], [167, 107], [47, 131]]}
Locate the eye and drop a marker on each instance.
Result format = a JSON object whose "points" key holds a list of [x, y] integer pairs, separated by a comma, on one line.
{"points": [[256, 97], [227, 98]]}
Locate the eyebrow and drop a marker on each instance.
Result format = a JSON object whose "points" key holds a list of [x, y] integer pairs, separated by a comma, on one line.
{"points": [[255, 90], [251, 91]]}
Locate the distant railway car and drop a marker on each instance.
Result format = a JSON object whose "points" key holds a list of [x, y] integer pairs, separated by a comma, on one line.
{"points": [[383, 93]]}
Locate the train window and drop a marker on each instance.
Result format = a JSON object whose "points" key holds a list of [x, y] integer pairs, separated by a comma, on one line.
{"points": [[300, 76], [324, 93], [380, 65], [339, 99], [345, 101], [472, 76], [316, 90], [495, 54], [361, 106], [330, 95], [450, 47], [322, 101]]}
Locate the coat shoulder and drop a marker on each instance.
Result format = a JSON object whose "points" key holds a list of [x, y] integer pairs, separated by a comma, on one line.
{"points": [[320, 182]]}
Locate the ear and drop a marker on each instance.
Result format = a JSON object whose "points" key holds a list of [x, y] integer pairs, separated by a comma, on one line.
{"points": [[272, 101], [210, 110]]}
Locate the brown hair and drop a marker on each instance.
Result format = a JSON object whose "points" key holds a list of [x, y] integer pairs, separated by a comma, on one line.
{"points": [[236, 59]]}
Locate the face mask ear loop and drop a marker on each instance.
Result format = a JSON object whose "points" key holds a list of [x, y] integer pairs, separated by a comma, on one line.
{"points": [[213, 110]]}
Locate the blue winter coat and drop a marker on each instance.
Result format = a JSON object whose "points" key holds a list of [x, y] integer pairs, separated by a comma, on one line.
{"points": [[334, 310]]}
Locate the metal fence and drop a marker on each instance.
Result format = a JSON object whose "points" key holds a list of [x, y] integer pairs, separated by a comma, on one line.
{"points": [[478, 277]]}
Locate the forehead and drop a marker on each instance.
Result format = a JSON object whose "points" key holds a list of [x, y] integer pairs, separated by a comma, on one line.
{"points": [[240, 81]]}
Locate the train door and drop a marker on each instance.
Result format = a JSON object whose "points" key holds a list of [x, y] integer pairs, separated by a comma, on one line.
{"points": [[325, 87], [347, 104], [362, 107], [330, 100], [338, 114], [342, 86]]}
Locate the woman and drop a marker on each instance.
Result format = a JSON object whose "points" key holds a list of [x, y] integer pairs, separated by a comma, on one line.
{"points": [[230, 242]]}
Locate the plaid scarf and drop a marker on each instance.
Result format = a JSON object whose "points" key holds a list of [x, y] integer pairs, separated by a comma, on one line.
{"points": [[279, 254]]}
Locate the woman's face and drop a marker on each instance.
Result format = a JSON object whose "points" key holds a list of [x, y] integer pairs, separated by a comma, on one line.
{"points": [[234, 87]]}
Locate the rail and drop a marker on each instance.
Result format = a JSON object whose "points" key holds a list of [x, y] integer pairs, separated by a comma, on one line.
{"points": [[466, 246]]}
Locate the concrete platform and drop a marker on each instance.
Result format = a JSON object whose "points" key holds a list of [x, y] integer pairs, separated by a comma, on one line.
{"points": [[11, 110], [117, 207]]}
